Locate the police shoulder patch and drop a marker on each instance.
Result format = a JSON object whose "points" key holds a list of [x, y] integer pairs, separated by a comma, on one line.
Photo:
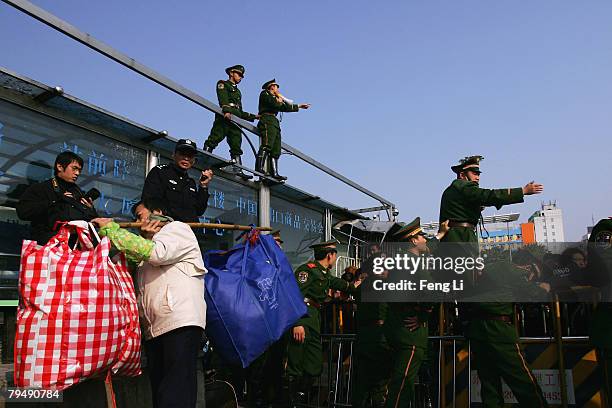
{"points": [[220, 85], [302, 276]]}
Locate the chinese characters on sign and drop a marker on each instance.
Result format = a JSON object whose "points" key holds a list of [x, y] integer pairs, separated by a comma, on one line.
{"points": [[249, 207], [113, 172]]}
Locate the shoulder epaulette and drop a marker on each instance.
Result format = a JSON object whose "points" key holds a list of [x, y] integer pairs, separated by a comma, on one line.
{"points": [[311, 265]]}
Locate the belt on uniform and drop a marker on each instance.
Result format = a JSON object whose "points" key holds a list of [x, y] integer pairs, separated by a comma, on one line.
{"points": [[456, 224], [500, 318], [267, 113], [312, 303]]}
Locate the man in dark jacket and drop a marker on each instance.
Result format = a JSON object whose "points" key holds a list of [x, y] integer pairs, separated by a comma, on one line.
{"points": [[56, 199], [171, 184]]}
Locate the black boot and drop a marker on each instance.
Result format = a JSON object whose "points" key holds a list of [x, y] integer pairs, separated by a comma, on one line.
{"points": [[261, 161], [208, 149], [306, 388], [274, 170], [237, 159], [297, 396]]}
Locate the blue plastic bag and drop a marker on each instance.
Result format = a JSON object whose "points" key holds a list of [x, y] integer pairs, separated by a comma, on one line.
{"points": [[252, 298]]}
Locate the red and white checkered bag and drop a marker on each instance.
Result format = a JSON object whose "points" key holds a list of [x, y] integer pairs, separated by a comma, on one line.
{"points": [[77, 313]]}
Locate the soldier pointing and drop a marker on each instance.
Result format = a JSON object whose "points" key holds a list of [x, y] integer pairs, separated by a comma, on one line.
{"points": [[271, 102]]}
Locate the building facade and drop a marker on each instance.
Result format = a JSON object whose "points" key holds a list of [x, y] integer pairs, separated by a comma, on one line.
{"points": [[36, 124], [548, 224]]}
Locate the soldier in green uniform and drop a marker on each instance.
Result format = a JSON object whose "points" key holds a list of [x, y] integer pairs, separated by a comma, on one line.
{"points": [[600, 271], [497, 351], [271, 102], [230, 101], [463, 201], [406, 327], [372, 357], [493, 337], [305, 355]]}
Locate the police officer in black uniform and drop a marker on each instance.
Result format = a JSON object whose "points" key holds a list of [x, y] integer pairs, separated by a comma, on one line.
{"points": [[185, 199]]}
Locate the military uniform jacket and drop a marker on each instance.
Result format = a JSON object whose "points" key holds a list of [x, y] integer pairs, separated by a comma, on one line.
{"points": [[173, 187], [314, 282], [44, 203], [269, 106], [396, 333], [462, 202], [230, 100]]}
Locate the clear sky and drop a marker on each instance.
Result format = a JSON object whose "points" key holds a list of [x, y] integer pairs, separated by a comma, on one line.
{"points": [[400, 90]]}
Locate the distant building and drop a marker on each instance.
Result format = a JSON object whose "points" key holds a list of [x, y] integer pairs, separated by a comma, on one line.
{"points": [[548, 224], [501, 235], [528, 232]]}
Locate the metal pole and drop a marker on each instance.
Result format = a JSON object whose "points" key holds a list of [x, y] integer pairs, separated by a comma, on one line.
{"points": [[328, 221], [441, 384], [338, 372], [350, 374], [210, 225], [454, 372], [469, 374], [264, 205], [152, 160], [559, 341]]}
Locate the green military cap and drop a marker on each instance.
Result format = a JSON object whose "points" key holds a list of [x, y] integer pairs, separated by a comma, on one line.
{"points": [[321, 249], [471, 163], [276, 234], [326, 244], [236, 68], [269, 84], [410, 230]]}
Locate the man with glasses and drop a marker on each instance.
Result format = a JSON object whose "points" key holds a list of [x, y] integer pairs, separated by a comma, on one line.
{"points": [[185, 199]]}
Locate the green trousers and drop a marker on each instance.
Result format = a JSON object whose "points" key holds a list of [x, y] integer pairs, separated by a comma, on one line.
{"points": [[497, 361], [407, 361], [372, 368], [221, 129], [305, 359], [270, 133]]}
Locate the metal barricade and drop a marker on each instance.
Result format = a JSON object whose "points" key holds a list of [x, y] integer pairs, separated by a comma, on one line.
{"points": [[343, 262], [339, 370], [446, 382]]}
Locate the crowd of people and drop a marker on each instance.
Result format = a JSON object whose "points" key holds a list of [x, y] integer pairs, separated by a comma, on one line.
{"points": [[392, 337]]}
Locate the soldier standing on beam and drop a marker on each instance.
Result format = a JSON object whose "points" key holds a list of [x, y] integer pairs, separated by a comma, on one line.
{"points": [[271, 102], [230, 100]]}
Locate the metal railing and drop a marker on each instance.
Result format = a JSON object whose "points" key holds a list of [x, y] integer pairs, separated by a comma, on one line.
{"points": [[335, 385]]}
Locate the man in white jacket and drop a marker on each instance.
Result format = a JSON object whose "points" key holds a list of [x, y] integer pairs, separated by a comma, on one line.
{"points": [[170, 299]]}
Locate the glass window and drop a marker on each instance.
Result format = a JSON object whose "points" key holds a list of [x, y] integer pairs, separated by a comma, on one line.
{"points": [[29, 143], [229, 203], [300, 227]]}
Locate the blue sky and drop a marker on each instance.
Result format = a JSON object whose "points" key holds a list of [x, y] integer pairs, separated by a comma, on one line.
{"points": [[400, 90]]}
